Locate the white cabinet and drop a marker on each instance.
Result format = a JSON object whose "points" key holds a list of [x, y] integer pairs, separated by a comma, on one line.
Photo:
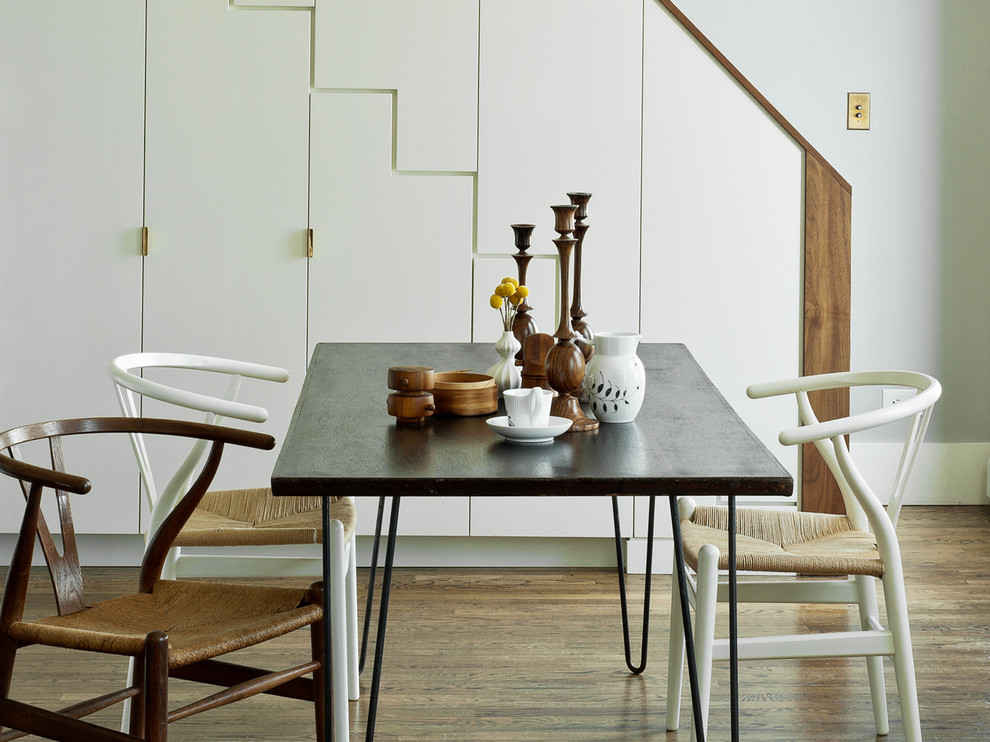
{"points": [[392, 251], [408, 135], [226, 199], [71, 137]]}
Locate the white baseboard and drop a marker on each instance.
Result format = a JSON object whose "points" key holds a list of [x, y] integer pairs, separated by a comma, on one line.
{"points": [[945, 473]]}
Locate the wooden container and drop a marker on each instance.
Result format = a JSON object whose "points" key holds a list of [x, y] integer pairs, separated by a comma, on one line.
{"points": [[411, 402], [464, 393]]}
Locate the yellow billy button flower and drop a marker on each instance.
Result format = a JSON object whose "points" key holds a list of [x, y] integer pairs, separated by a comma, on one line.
{"points": [[522, 292], [510, 279], [505, 290], [496, 301], [515, 299]]}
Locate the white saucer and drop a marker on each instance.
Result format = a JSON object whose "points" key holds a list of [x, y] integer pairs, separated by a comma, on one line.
{"points": [[501, 426]]}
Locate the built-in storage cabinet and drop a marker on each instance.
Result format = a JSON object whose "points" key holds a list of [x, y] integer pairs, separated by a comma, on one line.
{"points": [[71, 137], [408, 147], [226, 179]]}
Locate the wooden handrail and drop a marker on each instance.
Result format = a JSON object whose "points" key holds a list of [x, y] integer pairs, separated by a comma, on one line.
{"points": [[753, 91]]}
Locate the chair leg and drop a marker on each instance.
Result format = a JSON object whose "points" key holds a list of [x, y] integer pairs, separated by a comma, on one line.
{"points": [[675, 660], [706, 604], [156, 687], [338, 631], [125, 714], [319, 677], [353, 649], [867, 593], [138, 702], [907, 689]]}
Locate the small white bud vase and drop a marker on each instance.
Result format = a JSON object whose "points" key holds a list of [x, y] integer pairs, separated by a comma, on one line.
{"points": [[615, 378], [506, 373]]}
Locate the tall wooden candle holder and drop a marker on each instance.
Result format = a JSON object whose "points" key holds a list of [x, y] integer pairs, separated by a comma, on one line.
{"points": [[578, 314], [565, 361], [523, 325]]}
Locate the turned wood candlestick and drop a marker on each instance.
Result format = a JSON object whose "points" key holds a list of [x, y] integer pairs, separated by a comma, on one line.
{"points": [[412, 401], [578, 314], [565, 361], [523, 325]]}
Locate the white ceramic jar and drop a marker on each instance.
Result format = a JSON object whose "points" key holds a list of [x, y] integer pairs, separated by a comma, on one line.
{"points": [[615, 378]]}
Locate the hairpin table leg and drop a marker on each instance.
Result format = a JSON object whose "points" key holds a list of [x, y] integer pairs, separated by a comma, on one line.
{"points": [[675, 523], [371, 584], [376, 671], [685, 605], [636, 670]]}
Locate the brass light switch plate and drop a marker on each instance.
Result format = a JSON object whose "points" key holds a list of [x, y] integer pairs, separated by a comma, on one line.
{"points": [[859, 111]]}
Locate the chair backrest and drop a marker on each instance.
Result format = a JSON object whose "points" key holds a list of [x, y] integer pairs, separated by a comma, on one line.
{"points": [[64, 568], [131, 387], [830, 438]]}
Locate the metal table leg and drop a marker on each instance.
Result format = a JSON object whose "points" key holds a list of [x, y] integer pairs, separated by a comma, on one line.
{"points": [[383, 613], [327, 618], [372, 574], [733, 627], [376, 671], [675, 523], [685, 605]]}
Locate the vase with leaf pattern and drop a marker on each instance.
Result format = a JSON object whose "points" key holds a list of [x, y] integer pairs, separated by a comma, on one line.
{"points": [[615, 378]]}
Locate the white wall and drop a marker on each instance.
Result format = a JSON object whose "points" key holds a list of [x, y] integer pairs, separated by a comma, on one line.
{"points": [[920, 175]]}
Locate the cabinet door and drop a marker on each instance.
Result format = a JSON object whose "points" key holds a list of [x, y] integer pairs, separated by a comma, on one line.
{"points": [[392, 257], [71, 131], [227, 147], [559, 101]]}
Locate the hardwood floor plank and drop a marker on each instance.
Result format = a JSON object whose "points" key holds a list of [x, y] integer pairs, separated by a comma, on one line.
{"points": [[533, 654]]}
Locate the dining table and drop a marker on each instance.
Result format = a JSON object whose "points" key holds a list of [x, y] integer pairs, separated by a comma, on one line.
{"points": [[685, 441]]}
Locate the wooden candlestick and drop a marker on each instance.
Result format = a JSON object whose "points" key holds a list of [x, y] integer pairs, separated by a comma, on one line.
{"points": [[565, 361], [578, 314], [412, 401], [523, 325]]}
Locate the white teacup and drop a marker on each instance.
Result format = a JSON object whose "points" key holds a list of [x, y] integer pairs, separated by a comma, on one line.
{"points": [[528, 408]]}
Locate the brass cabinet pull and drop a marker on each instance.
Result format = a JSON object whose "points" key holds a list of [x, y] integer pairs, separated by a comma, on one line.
{"points": [[144, 241], [309, 242]]}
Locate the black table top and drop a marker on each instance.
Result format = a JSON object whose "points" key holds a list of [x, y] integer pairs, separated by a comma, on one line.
{"points": [[686, 439]]}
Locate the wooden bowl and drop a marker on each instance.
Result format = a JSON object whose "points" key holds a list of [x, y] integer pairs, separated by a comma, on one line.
{"points": [[464, 393]]}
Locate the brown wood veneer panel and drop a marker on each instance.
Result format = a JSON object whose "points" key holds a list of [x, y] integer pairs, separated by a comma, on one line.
{"points": [[827, 256]]}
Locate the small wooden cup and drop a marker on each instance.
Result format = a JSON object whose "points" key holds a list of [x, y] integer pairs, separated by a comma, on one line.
{"points": [[412, 401], [464, 393]]}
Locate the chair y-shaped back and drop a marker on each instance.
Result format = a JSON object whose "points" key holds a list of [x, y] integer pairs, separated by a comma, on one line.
{"points": [[251, 517], [854, 549], [170, 628]]}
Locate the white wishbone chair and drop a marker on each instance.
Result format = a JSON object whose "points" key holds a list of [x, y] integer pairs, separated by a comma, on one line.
{"points": [[853, 549], [249, 517]]}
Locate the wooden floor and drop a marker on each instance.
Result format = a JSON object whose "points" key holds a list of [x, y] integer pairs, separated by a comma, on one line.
{"points": [[522, 654]]}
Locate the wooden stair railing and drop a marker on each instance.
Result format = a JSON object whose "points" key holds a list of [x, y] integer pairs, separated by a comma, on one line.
{"points": [[827, 277]]}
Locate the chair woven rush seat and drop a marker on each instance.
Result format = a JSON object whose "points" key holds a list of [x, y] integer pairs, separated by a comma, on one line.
{"points": [[168, 628], [780, 541], [253, 517], [203, 620]]}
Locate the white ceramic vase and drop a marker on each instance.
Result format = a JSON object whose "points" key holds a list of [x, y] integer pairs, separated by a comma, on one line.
{"points": [[506, 373], [615, 378]]}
